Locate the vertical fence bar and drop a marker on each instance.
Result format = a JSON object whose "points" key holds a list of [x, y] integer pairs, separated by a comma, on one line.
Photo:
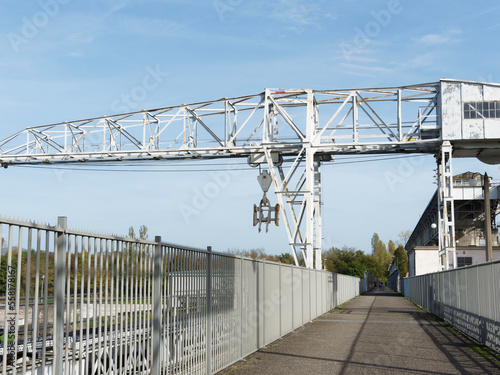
{"points": [[17, 293], [164, 307], [98, 316], [121, 248], [128, 313], [355, 280], [134, 301], [263, 303], [82, 296], [6, 322], [5, 338], [75, 307], [68, 300], [171, 297], [280, 302], [60, 271], [90, 338], [105, 346], [209, 310], [27, 300], [113, 308], [188, 327], [157, 288], [241, 307], [140, 307], [37, 300], [44, 296]]}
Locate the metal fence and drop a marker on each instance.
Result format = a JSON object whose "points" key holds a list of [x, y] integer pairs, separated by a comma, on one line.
{"points": [[394, 281], [468, 298], [75, 302]]}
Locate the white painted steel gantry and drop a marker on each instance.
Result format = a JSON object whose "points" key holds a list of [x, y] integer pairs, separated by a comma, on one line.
{"points": [[291, 130]]}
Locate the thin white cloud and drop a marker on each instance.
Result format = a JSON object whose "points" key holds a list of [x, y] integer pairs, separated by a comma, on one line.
{"points": [[80, 38], [427, 60], [366, 67], [448, 36], [116, 6], [361, 55], [296, 15], [77, 54]]}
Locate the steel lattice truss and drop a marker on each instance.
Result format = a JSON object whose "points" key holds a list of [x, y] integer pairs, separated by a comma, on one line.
{"points": [[302, 127]]}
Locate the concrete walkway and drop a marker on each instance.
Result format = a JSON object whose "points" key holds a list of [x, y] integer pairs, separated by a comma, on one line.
{"points": [[377, 333]]}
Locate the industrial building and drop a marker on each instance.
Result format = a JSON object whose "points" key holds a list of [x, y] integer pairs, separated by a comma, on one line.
{"points": [[470, 226]]}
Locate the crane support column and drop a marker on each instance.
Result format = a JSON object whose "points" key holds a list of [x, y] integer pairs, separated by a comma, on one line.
{"points": [[310, 235], [446, 209], [318, 233], [313, 183]]}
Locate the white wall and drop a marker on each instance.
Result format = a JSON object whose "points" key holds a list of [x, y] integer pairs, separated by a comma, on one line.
{"points": [[426, 261]]}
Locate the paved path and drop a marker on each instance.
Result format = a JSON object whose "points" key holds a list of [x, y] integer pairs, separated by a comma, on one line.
{"points": [[377, 333]]}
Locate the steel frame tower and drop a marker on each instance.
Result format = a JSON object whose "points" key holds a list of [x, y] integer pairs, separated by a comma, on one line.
{"points": [[446, 211], [291, 131]]}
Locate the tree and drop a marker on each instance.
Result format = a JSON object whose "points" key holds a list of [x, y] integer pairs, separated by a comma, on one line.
{"points": [[286, 258], [402, 258], [391, 247], [351, 261], [252, 253], [379, 250], [143, 233], [404, 236]]}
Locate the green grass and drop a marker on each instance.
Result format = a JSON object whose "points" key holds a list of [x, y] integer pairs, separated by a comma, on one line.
{"points": [[10, 339], [417, 305], [484, 352], [340, 306]]}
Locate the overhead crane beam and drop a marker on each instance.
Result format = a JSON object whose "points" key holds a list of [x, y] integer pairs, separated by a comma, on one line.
{"points": [[309, 127]]}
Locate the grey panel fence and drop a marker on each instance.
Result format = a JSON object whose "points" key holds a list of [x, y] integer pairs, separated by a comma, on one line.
{"points": [[394, 281], [75, 302], [468, 298]]}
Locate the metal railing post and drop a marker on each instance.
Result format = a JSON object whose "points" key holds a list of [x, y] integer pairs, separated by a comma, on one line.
{"points": [[157, 316], [241, 307], [59, 283], [209, 310], [281, 302]]}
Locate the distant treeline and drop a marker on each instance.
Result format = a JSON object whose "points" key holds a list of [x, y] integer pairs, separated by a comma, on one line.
{"points": [[349, 260]]}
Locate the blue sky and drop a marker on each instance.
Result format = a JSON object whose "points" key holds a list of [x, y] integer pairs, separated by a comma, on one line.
{"points": [[65, 60]]}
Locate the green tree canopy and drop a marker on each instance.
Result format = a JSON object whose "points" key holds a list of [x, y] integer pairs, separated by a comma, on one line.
{"points": [[379, 251], [351, 261], [391, 248], [402, 258]]}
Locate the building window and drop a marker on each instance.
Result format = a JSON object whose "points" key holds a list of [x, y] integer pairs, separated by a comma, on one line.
{"points": [[480, 110], [464, 261]]}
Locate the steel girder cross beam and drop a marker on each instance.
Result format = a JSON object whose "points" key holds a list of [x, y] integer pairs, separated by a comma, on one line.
{"points": [[446, 208], [353, 121]]}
